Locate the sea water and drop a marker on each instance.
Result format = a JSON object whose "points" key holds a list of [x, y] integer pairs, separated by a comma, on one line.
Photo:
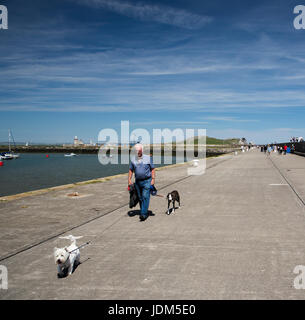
{"points": [[33, 171]]}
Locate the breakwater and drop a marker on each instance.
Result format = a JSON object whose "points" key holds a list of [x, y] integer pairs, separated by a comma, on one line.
{"points": [[210, 150], [227, 228]]}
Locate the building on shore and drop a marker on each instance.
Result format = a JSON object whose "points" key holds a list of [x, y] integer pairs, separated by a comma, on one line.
{"points": [[77, 142], [243, 141]]}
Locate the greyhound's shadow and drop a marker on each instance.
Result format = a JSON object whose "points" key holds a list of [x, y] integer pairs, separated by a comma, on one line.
{"points": [[171, 210], [133, 213]]}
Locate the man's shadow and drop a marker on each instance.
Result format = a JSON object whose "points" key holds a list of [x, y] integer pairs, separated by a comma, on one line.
{"points": [[133, 213]]}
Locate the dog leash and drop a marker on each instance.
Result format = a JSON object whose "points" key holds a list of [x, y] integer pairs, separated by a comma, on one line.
{"points": [[159, 195], [83, 245]]}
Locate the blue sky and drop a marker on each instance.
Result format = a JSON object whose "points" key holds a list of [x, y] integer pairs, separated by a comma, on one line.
{"points": [[75, 67]]}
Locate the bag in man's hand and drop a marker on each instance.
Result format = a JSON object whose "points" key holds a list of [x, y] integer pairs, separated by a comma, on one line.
{"points": [[133, 196]]}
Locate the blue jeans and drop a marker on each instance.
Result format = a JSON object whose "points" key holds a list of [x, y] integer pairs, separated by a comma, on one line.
{"points": [[143, 190]]}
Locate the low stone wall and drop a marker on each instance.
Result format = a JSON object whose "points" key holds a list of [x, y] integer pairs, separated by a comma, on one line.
{"points": [[300, 148]]}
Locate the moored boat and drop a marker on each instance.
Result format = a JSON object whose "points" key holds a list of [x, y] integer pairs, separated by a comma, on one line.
{"points": [[70, 154], [10, 154], [6, 156]]}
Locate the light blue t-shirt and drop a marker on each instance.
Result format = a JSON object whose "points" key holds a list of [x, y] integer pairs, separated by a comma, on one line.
{"points": [[142, 167]]}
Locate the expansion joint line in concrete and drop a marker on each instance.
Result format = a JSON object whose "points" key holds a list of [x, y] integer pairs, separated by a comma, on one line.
{"points": [[28, 247], [288, 182]]}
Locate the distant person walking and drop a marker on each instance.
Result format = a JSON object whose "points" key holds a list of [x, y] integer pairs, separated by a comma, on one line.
{"points": [[285, 149], [144, 170], [269, 149]]}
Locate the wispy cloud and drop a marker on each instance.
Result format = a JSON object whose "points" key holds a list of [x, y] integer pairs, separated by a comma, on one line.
{"points": [[229, 119], [168, 123], [146, 12]]}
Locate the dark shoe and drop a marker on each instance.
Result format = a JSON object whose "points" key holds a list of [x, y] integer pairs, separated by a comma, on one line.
{"points": [[143, 217]]}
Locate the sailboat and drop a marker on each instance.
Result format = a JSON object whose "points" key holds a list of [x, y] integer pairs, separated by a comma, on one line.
{"points": [[10, 154]]}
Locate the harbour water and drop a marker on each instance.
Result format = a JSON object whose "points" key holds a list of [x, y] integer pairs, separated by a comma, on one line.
{"points": [[33, 171]]}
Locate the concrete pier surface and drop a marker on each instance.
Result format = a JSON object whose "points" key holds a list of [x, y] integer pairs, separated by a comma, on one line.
{"points": [[239, 234]]}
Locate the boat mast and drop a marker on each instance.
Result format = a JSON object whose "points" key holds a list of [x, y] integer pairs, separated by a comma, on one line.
{"points": [[9, 140], [13, 139]]}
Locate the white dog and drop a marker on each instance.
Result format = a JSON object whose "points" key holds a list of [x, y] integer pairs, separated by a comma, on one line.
{"points": [[68, 257]]}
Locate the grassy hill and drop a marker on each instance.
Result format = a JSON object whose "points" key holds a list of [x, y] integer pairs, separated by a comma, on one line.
{"points": [[214, 141]]}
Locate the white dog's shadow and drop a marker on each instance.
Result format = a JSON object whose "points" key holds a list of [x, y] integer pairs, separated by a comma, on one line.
{"points": [[64, 273]]}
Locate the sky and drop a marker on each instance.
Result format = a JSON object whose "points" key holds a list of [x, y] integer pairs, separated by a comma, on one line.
{"points": [[74, 67]]}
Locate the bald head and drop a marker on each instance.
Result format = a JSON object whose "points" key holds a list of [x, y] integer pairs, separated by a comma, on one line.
{"points": [[139, 149]]}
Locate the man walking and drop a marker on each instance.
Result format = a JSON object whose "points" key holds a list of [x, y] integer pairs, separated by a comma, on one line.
{"points": [[144, 170]]}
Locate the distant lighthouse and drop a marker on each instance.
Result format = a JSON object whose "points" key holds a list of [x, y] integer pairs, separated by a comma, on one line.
{"points": [[76, 141]]}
